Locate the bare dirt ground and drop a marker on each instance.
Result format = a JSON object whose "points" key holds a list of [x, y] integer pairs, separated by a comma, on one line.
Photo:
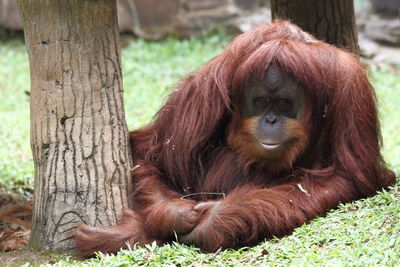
{"points": [[21, 256], [15, 220], [15, 226]]}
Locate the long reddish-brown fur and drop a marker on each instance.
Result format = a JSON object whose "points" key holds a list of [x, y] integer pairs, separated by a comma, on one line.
{"points": [[189, 148]]}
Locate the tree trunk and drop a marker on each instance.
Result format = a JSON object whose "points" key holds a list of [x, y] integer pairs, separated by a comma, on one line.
{"points": [[79, 136], [330, 20]]}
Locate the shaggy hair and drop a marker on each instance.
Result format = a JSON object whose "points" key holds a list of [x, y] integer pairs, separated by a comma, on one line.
{"points": [[192, 147]]}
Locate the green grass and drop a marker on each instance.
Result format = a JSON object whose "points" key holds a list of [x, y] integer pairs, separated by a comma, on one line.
{"points": [[16, 165], [151, 69], [388, 91], [363, 233]]}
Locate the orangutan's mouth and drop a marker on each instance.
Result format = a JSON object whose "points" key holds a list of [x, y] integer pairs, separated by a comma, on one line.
{"points": [[269, 146]]}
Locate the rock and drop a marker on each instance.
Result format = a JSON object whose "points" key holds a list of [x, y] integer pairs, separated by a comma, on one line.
{"points": [[378, 53], [249, 22], [194, 23], [386, 7], [368, 47], [247, 4], [388, 55], [125, 20], [383, 30], [203, 4], [9, 15], [155, 18]]}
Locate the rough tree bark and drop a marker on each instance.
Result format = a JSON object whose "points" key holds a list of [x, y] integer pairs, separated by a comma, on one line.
{"points": [[79, 136], [330, 20]]}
